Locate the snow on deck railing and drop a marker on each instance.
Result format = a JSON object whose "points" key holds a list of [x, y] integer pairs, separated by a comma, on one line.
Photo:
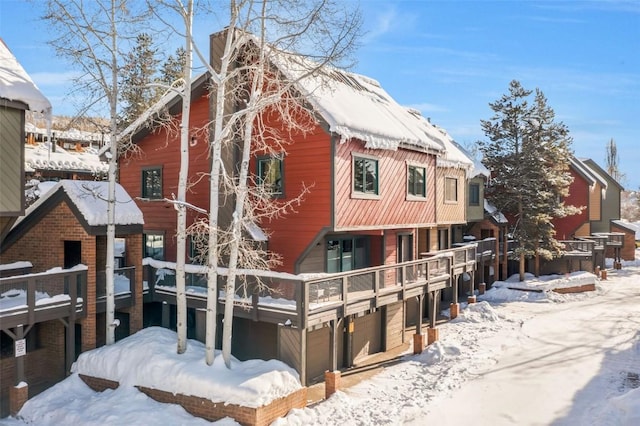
{"points": [[30, 293], [304, 294]]}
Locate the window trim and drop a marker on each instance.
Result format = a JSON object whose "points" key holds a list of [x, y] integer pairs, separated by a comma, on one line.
{"points": [[457, 196], [354, 242], [280, 158], [143, 187], [361, 194], [409, 195], [475, 203]]}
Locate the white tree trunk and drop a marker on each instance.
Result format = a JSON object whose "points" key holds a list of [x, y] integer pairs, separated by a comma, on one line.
{"points": [[109, 268], [214, 190], [181, 243]]}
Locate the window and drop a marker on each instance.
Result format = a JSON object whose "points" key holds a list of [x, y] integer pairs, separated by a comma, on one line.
{"points": [[270, 175], [365, 175], [415, 181], [450, 189], [152, 183], [154, 246], [346, 254], [474, 194]]}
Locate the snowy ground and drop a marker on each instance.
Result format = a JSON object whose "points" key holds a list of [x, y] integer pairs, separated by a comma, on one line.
{"points": [[514, 358]]}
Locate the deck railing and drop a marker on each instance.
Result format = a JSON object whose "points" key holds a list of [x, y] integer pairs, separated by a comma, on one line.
{"points": [[578, 246], [299, 296], [28, 295], [124, 282]]}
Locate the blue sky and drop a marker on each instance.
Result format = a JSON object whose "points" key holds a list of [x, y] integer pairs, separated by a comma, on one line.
{"points": [[451, 58]]}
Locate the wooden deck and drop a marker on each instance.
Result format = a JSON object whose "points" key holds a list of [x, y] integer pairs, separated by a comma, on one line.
{"points": [[309, 302]]}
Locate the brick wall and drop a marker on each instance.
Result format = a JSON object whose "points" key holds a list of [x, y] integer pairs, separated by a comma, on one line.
{"points": [[43, 246], [43, 366], [212, 411]]}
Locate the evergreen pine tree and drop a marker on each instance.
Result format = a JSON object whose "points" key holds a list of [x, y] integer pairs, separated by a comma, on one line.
{"points": [[528, 154], [140, 70], [172, 68]]}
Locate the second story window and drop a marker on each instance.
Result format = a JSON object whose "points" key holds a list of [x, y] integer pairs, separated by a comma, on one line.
{"points": [[152, 182], [416, 184], [365, 175], [474, 194], [450, 190], [270, 175]]}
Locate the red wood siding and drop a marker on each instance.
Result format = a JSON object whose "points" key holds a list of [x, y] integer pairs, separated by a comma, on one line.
{"points": [[306, 163], [392, 209], [578, 196], [161, 149]]}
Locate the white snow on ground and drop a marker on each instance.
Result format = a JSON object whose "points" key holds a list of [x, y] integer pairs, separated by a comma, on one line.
{"points": [[507, 360]]}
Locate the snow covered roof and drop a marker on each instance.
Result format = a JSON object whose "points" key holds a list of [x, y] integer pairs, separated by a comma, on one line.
{"points": [[455, 156], [73, 135], [16, 85], [494, 213], [631, 226], [39, 156], [355, 106], [89, 197]]}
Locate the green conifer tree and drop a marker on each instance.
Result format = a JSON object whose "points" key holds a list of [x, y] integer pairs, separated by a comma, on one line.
{"points": [[138, 75], [528, 154]]}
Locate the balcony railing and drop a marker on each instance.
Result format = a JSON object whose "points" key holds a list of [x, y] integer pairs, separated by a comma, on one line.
{"points": [[299, 297], [27, 299], [124, 282]]}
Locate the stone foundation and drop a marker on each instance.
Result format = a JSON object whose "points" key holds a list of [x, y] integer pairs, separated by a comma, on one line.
{"points": [[212, 411]]}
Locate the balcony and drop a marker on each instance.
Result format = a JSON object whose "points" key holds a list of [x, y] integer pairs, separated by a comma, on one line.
{"points": [[34, 298], [124, 288], [313, 299]]}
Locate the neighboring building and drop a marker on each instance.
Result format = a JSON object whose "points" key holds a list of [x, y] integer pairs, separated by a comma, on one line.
{"points": [[66, 228], [452, 184], [611, 199], [586, 191], [18, 93]]}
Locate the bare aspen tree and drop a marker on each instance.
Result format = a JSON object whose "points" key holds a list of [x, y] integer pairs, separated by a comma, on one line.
{"points": [[260, 34], [185, 11], [89, 34]]}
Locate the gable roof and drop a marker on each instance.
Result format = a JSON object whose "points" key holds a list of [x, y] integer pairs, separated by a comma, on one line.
{"points": [[87, 200], [170, 102], [356, 106], [352, 105], [587, 172], [595, 167], [16, 85]]}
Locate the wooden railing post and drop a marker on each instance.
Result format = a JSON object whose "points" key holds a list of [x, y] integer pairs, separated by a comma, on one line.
{"points": [[31, 299]]}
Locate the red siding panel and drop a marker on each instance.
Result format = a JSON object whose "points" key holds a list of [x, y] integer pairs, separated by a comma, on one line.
{"points": [[162, 148], [392, 209], [578, 196]]}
